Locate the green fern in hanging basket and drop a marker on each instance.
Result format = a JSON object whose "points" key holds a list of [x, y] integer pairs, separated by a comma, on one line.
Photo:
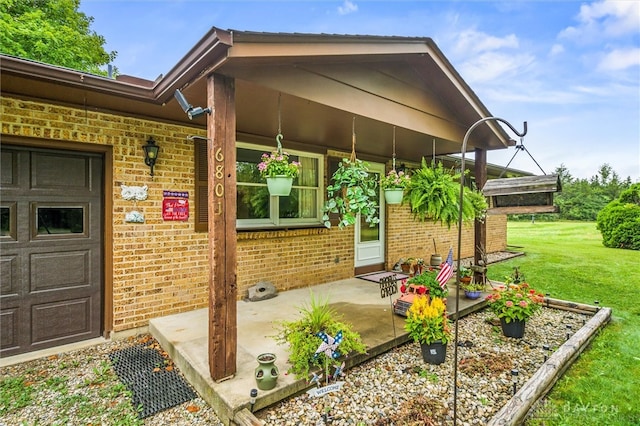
{"points": [[434, 194], [354, 191]]}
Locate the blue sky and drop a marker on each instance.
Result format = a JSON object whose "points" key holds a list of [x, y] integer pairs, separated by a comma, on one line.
{"points": [[570, 69]]}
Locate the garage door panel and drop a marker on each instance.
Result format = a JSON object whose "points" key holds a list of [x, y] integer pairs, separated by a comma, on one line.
{"points": [[9, 320], [60, 320], [9, 169], [59, 171], [60, 270], [8, 275]]}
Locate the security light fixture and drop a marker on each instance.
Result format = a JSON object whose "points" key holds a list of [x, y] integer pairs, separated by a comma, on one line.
{"points": [[192, 112], [150, 153]]}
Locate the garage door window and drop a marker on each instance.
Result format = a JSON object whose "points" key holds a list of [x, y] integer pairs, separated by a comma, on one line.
{"points": [[59, 220], [7, 222]]}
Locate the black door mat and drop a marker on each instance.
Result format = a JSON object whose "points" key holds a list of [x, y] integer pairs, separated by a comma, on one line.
{"points": [[154, 387]]}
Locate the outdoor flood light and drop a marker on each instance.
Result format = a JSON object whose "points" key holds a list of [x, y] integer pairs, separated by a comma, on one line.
{"points": [[192, 112], [150, 153]]}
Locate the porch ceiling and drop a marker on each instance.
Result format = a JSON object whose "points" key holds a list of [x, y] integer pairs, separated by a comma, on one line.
{"points": [[323, 82]]}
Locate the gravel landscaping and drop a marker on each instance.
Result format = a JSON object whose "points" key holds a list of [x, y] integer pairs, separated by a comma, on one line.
{"points": [[397, 387]]}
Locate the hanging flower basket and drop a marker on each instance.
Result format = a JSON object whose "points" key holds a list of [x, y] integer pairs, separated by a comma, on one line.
{"points": [[393, 184], [393, 196], [279, 185], [279, 172], [352, 192]]}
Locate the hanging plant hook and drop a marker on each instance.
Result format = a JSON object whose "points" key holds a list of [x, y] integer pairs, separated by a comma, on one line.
{"points": [[279, 136], [353, 140], [519, 148], [457, 298], [393, 161]]}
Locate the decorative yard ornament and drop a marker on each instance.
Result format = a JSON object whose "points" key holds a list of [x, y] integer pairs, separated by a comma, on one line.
{"points": [[525, 194], [329, 345], [339, 371]]}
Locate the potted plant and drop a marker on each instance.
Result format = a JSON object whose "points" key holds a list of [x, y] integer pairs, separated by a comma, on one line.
{"points": [[472, 290], [427, 324], [393, 185], [514, 303], [354, 192], [466, 274], [279, 172], [427, 279], [412, 266], [302, 337], [433, 194]]}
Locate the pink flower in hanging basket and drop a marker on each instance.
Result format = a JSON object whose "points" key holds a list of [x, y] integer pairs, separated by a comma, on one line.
{"points": [[278, 164]]}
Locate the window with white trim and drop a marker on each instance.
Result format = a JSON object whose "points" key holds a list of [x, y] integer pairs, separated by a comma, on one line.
{"points": [[255, 207]]}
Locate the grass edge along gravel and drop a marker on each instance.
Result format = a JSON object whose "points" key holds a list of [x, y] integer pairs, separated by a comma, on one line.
{"points": [[568, 261]]}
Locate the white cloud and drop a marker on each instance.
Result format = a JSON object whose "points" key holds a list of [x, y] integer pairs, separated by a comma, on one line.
{"points": [[620, 59], [616, 17], [472, 41], [491, 66], [556, 49], [610, 19], [347, 8]]}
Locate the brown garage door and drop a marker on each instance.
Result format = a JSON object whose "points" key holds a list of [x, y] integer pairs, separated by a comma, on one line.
{"points": [[50, 248]]}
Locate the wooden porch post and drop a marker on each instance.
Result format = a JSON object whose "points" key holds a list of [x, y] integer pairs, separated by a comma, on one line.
{"points": [[480, 228], [221, 158]]}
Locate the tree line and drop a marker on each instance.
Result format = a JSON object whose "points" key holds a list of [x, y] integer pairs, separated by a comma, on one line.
{"points": [[605, 198]]}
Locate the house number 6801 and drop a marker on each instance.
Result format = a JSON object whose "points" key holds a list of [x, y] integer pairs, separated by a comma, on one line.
{"points": [[219, 188]]}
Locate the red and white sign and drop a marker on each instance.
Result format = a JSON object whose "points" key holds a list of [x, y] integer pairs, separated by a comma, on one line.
{"points": [[175, 209]]}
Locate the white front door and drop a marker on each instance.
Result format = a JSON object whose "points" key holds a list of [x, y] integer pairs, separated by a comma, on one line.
{"points": [[370, 239]]}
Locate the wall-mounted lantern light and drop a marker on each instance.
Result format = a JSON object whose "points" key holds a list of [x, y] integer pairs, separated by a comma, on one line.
{"points": [[150, 153]]}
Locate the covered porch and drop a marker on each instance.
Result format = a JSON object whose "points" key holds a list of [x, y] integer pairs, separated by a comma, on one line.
{"points": [[184, 336]]}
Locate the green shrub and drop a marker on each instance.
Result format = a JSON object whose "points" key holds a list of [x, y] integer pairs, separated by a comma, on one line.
{"points": [[619, 221], [301, 336]]}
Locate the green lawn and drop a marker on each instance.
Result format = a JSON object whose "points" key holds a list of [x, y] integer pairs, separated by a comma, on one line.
{"points": [[568, 261]]}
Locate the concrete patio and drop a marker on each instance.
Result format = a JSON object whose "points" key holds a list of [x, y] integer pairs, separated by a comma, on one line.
{"points": [[184, 337]]}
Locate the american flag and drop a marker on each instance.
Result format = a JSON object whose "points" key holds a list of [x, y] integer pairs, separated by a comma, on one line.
{"points": [[446, 270]]}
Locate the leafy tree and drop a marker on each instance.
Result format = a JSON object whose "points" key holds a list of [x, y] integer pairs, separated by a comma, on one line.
{"points": [[582, 199], [54, 32], [619, 221]]}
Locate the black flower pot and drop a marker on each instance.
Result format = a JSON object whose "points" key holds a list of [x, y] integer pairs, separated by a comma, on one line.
{"points": [[434, 353], [513, 329]]}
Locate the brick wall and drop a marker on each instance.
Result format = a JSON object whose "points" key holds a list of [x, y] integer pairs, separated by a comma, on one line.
{"points": [[161, 267], [409, 238], [294, 259]]}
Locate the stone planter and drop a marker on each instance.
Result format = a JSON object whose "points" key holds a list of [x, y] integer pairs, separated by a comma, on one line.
{"points": [[266, 373]]}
